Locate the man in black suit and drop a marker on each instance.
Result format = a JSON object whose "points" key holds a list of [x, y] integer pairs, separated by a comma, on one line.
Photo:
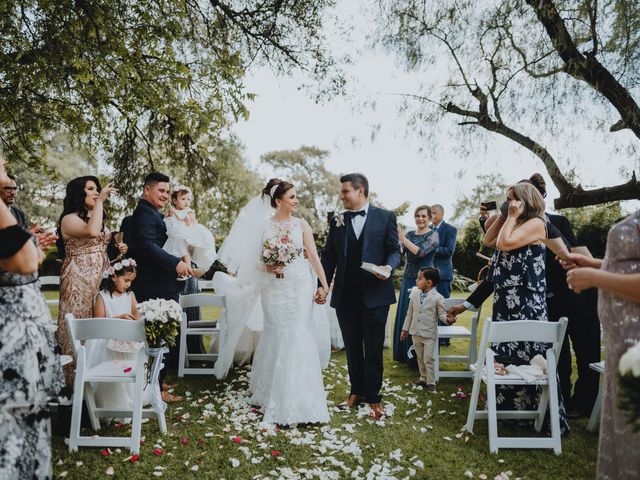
{"points": [[363, 233], [157, 269], [8, 193]]}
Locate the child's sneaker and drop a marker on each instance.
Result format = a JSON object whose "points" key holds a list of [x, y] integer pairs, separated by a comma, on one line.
{"points": [[432, 389]]}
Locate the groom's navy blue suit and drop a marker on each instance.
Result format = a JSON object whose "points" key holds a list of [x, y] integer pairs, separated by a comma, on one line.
{"points": [[361, 300]]}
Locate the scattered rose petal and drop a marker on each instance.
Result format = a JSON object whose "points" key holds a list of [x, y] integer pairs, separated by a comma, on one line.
{"points": [[236, 439], [234, 462], [158, 473], [482, 476], [63, 474], [79, 464], [157, 452], [127, 370], [105, 453], [195, 468], [468, 474], [134, 458], [110, 471], [185, 440], [275, 453]]}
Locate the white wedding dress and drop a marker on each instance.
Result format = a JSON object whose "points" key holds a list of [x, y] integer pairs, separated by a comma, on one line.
{"points": [[286, 377]]}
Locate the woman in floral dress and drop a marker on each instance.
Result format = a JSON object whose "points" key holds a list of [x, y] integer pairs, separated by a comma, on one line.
{"points": [[29, 360], [520, 288], [84, 241]]}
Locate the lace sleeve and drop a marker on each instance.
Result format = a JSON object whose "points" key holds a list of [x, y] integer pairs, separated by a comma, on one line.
{"points": [[428, 244]]}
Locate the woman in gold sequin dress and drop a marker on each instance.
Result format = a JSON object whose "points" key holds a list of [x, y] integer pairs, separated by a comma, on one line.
{"points": [[618, 281], [84, 241]]}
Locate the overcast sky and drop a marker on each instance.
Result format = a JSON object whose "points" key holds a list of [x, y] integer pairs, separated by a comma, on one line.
{"points": [[399, 165]]}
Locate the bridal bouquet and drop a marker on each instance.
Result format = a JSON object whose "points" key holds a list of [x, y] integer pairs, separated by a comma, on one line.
{"points": [[279, 250], [629, 399], [161, 320]]}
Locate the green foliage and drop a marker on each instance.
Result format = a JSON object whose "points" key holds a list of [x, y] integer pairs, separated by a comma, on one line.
{"points": [[469, 243], [318, 189], [128, 78], [591, 225], [490, 188]]}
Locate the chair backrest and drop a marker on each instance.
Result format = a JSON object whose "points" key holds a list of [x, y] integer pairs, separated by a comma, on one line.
{"points": [[50, 280], [202, 300], [452, 302], [205, 285], [80, 329], [522, 331]]}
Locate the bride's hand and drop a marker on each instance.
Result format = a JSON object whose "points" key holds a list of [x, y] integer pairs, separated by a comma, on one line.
{"points": [[275, 269]]}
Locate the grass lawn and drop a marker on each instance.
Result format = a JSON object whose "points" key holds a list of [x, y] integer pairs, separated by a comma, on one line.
{"points": [[214, 434]]}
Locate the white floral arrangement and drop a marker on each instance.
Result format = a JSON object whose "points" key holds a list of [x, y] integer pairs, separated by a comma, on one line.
{"points": [[629, 382], [161, 320], [279, 250], [116, 267], [338, 218]]}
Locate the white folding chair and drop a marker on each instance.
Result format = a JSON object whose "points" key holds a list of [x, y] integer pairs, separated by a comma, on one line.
{"points": [[122, 371], [457, 331], [518, 331], [205, 285], [215, 328], [594, 419], [51, 280]]}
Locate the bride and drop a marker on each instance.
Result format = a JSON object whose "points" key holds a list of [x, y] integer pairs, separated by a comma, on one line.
{"points": [[286, 376]]}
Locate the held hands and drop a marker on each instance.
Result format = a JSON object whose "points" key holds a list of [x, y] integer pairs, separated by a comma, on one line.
{"points": [[403, 335], [183, 269], [384, 267], [453, 312], [576, 260], [580, 279], [106, 191], [321, 296]]}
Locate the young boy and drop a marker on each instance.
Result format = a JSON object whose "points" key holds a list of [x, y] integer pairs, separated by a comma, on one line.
{"points": [[426, 307]]}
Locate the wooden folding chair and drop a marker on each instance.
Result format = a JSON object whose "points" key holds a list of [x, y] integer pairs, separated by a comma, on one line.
{"points": [[457, 331], [215, 328], [124, 371], [518, 331]]}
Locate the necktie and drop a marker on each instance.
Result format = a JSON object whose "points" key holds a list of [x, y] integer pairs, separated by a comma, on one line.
{"points": [[422, 297]]}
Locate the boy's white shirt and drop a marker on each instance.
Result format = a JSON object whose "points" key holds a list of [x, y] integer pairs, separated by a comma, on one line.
{"points": [[423, 319]]}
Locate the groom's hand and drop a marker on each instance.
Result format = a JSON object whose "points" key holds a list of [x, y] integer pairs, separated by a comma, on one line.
{"points": [[384, 267], [321, 296]]}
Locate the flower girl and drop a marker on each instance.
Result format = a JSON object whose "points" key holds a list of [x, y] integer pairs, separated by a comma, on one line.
{"points": [[115, 301], [188, 239]]}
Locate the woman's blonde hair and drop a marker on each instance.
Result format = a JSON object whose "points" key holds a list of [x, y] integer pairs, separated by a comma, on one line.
{"points": [[532, 200]]}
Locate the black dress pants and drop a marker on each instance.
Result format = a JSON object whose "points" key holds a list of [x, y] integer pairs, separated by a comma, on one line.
{"points": [[363, 331], [583, 331]]}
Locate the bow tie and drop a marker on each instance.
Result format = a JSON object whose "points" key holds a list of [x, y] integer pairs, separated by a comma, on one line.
{"points": [[352, 214], [432, 227]]}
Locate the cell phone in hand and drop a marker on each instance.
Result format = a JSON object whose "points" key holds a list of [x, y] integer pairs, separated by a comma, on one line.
{"points": [[488, 206]]}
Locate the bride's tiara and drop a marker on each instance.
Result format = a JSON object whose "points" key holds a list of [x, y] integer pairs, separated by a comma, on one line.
{"points": [[273, 189]]}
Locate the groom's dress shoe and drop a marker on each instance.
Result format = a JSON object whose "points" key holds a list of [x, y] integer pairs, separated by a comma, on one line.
{"points": [[351, 402], [376, 412]]}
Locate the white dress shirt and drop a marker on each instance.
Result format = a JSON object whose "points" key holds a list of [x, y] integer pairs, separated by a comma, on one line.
{"points": [[357, 221]]}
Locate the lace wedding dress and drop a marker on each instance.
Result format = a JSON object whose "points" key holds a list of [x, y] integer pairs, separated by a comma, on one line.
{"points": [[286, 377]]}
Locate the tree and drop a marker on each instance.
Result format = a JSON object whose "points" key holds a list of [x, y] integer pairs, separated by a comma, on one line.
{"points": [[513, 59], [318, 188], [491, 187], [127, 78]]}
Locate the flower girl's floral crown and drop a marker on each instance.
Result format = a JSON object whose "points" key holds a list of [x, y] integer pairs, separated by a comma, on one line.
{"points": [[181, 188], [116, 267]]}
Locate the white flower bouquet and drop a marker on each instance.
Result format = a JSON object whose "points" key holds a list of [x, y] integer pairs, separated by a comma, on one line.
{"points": [[161, 320], [279, 250], [629, 382]]}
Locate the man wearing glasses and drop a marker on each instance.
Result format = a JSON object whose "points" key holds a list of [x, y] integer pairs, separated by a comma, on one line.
{"points": [[8, 192]]}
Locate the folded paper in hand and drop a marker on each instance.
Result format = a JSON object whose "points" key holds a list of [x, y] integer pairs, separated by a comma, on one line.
{"points": [[375, 269]]}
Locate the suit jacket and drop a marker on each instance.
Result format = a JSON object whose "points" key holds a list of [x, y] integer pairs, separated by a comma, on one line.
{"points": [[156, 268], [447, 234], [380, 246], [423, 319], [19, 216], [555, 274]]}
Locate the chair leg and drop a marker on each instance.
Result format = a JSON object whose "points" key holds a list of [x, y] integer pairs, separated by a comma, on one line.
{"points": [[594, 419], [492, 417], [182, 353], [136, 414], [554, 405], [91, 406], [76, 409], [543, 403], [473, 404]]}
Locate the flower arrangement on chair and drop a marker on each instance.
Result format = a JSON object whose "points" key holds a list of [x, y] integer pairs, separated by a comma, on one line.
{"points": [[629, 381], [161, 320]]}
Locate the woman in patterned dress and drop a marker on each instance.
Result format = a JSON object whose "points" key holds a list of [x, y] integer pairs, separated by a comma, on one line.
{"points": [[31, 370], [83, 241], [420, 246], [520, 288], [618, 282]]}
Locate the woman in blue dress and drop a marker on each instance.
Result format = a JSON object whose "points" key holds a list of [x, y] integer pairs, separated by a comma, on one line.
{"points": [[520, 288], [420, 246]]}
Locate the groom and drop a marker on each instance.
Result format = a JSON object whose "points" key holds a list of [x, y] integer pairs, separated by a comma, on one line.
{"points": [[363, 233]]}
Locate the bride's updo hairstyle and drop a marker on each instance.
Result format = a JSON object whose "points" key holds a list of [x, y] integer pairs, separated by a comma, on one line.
{"points": [[276, 189]]}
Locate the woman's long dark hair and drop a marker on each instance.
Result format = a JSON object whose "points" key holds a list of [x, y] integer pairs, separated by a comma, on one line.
{"points": [[74, 202]]}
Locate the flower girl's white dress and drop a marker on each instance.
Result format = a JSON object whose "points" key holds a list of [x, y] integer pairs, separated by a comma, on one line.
{"points": [[114, 395], [194, 239]]}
